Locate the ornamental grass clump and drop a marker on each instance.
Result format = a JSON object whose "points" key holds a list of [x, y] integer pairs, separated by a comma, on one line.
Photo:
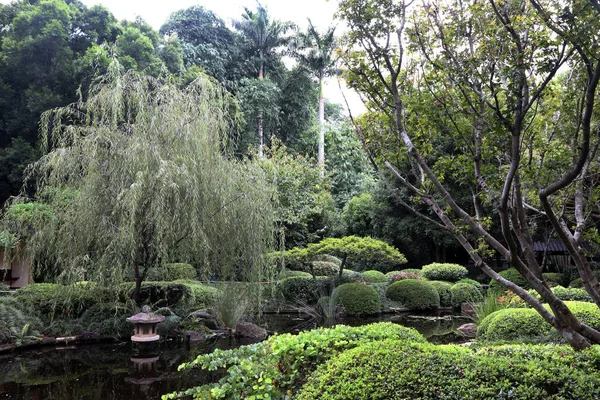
{"points": [[414, 294], [275, 368]]}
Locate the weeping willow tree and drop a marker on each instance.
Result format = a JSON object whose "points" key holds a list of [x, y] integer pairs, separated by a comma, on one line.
{"points": [[139, 174]]}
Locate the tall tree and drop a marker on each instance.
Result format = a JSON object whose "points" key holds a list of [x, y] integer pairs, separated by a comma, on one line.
{"points": [[316, 51], [489, 73], [263, 37], [151, 181]]}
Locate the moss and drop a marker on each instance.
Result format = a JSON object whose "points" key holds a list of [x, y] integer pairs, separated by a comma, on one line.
{"points": [[357, 299], [374, 276], [465, 293], [414, 294], [444, 272]]}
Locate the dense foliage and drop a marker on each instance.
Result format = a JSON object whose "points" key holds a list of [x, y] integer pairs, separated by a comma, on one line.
{"points": [[444, 272], [443, 289], [465, 293], [275, 368], [357, 299], [414, 294], [399, 370]]}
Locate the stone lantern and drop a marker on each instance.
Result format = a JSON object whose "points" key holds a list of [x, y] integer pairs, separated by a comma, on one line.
{"points": [[145, 326]]}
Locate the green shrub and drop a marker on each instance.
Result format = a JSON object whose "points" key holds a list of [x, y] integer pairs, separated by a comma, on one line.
{"points": [[444, 272], [202, 295], [526, 323], [400, 370], [374, 276], [554, 278], [108, 320], [465, 293], [324, 268], [348, 276], [304, 290], [414, 294], [172, 272], [488, 306], [357, 299], [274, 368], [160, 294], [443, 289], [575, 294], [512, 275], [578, 282], [50, 301], [288, 273], [329, 258], [386, 304], [401, 275], [13, 320], [471, 282]]}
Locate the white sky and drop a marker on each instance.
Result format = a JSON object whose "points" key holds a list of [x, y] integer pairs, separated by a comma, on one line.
{"points": [[321, 13]]}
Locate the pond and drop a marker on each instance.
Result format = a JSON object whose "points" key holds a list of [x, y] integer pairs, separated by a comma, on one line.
{"points": [[114, 371]]}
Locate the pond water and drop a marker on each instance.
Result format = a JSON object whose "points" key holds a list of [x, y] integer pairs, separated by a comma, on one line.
{"points": [[114, 371]]}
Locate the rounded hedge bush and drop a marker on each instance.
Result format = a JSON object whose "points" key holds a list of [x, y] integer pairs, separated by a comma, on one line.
{"points": [[300, 289], [573, 294], [324, 268], [414, 294], [578, 283], [374, 276], [526, 323], [444, 272], [512, 275], [471, 282], [399, 370], [554, 278], [357, 299], [465, 293], [443, 289]]}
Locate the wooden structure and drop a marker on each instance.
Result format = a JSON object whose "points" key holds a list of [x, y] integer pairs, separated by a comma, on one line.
{"points": [[553, 254], [15, 271]]}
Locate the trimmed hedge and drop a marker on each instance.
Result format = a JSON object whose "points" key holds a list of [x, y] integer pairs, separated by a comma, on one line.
{"points": [[274, 368], [160, 294], [578, 283], [172, 272], [443, 289], [414, 294], [526, 323], [471, 282], [554, 279], [399, 370], [306, 290], [324, 268], [512, 275], [444, 272], [465, 293], [374, 276], [357, 299], [573, 294]]}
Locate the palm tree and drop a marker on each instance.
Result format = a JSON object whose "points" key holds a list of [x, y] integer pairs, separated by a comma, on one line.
{"points": [[316, 52], [263, 36]]}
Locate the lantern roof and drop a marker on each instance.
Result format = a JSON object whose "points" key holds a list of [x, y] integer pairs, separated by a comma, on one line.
{"points": [[146, 317]]}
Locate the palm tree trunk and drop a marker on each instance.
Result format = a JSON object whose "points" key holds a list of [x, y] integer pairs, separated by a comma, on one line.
{"points": [[321, 154]]}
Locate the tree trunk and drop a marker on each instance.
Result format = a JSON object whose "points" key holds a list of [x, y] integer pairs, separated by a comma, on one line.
{"points": [[342, 265], [321, 155]]}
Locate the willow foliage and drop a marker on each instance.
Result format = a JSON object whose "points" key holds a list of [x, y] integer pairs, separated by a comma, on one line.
{"points": [[149, 180]]}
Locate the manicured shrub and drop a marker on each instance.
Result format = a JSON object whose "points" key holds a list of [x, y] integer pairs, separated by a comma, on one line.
{"points": [[399, 370], [554, 278], [304, 289], [288, 273], [202, 295], [401, 275], [575, 294], [443, 289], [160, 294], [348, 276], [414, 294], [465, 293], [444, 272], [324, 268], [109, 320], [172, 272], [526, 323], [357, 299], [471, 282], [329, 258], [374, 276], [512, 275], [273, 369], [578, 282]]}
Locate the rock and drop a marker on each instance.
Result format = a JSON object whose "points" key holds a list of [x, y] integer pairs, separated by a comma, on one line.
{"points": [[195, 337], [468, 330], [467, 308], [206, 318], [250, 330]]}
